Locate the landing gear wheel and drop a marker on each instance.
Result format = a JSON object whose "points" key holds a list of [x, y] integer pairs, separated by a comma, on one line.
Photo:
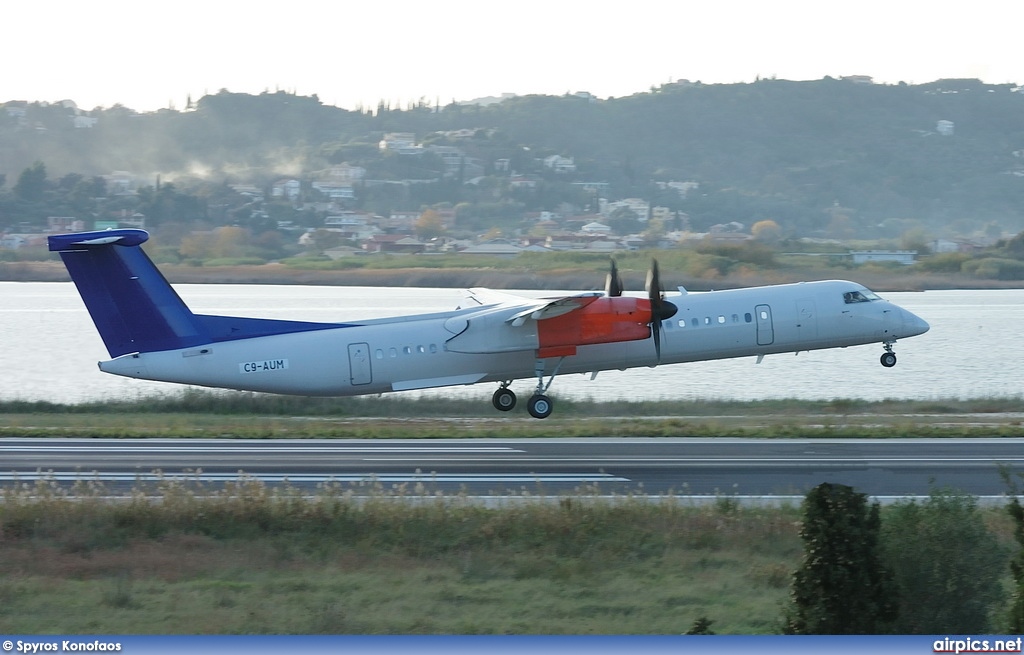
{"points": [[503, 399], [539, 406], [888, 360]]}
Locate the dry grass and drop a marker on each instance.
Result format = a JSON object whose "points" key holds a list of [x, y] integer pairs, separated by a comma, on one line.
{"points": [[197, 413], [255, 559]]}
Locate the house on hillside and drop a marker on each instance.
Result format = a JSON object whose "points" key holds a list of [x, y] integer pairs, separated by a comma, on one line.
{"points": [[286, 189], [560, 164], [395, 244], [502, 247]]}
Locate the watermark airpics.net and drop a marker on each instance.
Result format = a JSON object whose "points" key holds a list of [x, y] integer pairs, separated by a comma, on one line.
{"points": [[977, 645]]}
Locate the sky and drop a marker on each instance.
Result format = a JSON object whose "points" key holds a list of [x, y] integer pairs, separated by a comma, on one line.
{"points": [[355, 53]]}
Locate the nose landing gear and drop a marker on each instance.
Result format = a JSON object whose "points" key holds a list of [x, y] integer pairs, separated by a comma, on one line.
{"points": [[888, 358]]}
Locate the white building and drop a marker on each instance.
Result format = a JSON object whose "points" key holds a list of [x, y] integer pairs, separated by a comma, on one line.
{"points": [[404, 143], [560, 164], [638, 206], [596, 228], [905, 257], [286, 189]]}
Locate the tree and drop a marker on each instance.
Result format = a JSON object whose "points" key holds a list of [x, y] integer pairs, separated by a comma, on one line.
{"points": [[946, 564], [766, 231], [429, 225], [624, 221], [1017, 566], [842, 587], [702, 626], [31, 184]]}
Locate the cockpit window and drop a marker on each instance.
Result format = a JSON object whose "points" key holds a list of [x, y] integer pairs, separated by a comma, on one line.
{"points": [[859, 296]]}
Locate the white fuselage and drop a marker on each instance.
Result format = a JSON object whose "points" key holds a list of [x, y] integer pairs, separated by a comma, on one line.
{"points": [[418, 352]]}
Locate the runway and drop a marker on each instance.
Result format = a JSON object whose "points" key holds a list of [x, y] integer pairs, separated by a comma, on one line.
{"points": [[742, 467]]}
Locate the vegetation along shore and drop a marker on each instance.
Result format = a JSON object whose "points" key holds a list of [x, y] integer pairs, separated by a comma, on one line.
{"points": [[200, 413], [525, 273]]}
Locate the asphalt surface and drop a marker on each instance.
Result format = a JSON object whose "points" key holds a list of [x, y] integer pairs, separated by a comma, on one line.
{"points": [[741, 467]]}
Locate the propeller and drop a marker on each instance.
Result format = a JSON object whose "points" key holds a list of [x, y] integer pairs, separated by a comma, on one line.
{"points": [[613, 283], [661, 309]]}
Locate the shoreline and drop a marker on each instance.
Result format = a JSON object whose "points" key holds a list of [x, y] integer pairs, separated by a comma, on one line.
{"points": [[279, 274]]}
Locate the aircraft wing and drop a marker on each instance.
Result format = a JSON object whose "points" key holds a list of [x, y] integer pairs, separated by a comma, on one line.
{"points": [[552, 308], [535, 309], [512, 323], [482, 297]]}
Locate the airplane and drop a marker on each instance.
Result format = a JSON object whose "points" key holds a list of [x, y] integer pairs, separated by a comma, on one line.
{"points": [[151, 334]]}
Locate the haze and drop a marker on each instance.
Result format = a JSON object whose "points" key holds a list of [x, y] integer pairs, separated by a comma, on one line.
{"points": [[148, 56]]}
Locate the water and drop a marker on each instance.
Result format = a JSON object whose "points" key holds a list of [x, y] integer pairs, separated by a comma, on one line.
{"points": [[50, 348]]}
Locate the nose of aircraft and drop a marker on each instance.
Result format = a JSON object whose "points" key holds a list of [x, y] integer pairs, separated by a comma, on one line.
{"points": [[913, 324]]}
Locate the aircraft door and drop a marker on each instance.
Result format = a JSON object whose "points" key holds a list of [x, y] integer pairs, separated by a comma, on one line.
{"points": [[359, 363], [765, 331], [808, 321]]}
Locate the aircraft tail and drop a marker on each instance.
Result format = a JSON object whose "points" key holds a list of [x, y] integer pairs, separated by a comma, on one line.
{"points": [[132, 304]]}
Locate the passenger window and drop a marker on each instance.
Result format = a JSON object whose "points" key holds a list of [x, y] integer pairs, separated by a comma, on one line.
{"points": [[379, 354], [764, 315], [421, 349], [392, 352], [407, 350], [721, 319], [433, 348], [682, 323], [707, 320], [695, 322], [735, 318], [748, 318]]}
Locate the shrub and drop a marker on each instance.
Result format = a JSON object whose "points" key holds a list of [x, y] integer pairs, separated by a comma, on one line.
{"points": [[946, 564]]}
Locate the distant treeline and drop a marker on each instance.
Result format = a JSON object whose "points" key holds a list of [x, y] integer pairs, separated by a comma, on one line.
{"points": [[831, 157]]}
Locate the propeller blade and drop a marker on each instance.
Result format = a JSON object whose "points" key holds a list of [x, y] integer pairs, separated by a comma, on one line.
{"points": [[656, 333], [653, 284], [613, 283], [661, 309]]}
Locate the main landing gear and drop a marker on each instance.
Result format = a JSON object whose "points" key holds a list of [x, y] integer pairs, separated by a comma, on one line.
{"points": [[539, 405], [504, 399], [888, 358]]}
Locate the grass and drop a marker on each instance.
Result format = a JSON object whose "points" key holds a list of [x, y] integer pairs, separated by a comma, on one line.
{"points": [[200, 413], [252, 559]]}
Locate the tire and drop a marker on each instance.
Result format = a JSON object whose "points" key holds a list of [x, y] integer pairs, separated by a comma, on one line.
{"points": [[888, 360], [504, 400], [539, 406]]}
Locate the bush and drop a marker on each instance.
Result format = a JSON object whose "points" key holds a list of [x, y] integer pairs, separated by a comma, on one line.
{"points": [[994, 268], [234, 261], [1017, 565], [950, 262], [946, 563]]}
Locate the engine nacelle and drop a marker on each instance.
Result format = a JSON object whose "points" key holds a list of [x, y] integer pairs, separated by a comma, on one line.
{"points": [[605, 320]]}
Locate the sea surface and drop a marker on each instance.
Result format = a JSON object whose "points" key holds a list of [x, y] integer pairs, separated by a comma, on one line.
{"points": [[49, 348]]}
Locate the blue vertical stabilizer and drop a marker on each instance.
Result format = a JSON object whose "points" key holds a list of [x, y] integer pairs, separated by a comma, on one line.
{"points": [[133, 306]]}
